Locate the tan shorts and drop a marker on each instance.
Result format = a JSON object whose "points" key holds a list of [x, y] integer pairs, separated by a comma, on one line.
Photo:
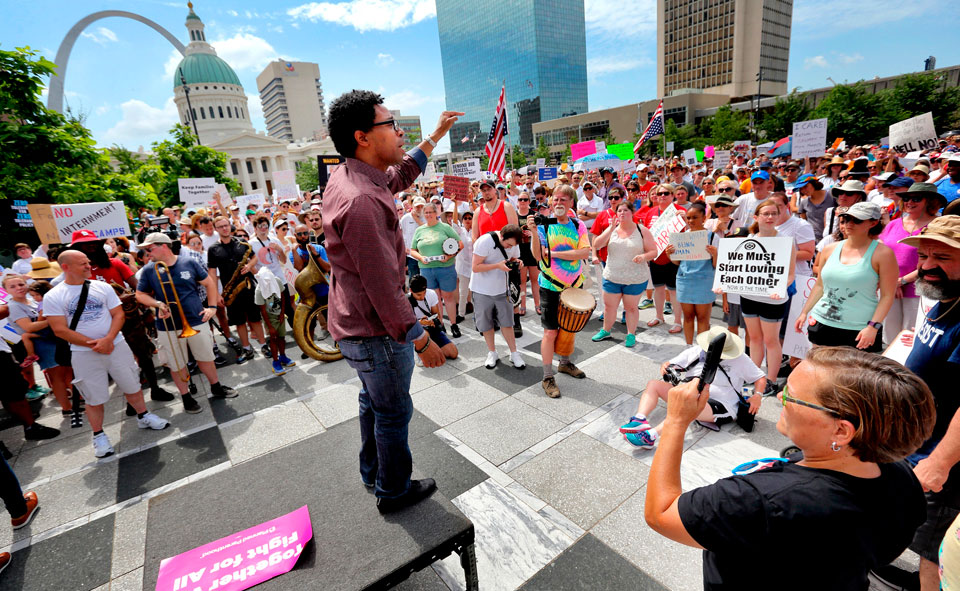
{"points": [[91, 371], [201, 345]]}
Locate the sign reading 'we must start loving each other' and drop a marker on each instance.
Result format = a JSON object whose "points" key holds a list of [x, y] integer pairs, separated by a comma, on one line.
{"points": [[753, 266]]}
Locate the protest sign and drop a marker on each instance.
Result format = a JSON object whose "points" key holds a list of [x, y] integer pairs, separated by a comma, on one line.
{"points": [[547, 173], [57, 223], [690, 157], [21, 213], [244, 202], [430, 173], [601, 147], [741, 146], [836, 143], [325, 166], [885, 141], [43, 223], [622, 151], [721, 158], [456, 187], [699, 154], [669, 222], [708, 151], [915, 133], [670, 147], [469, 168], [240, 561], [541, 162], [196, 192], [284, 177], [689, 246], [578, 151], [911, 159], [765, 147], [796, 343], [753, 266], [809, 138]]}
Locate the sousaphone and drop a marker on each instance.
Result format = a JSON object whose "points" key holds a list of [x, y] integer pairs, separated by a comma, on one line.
{"points": [[310, 313]]}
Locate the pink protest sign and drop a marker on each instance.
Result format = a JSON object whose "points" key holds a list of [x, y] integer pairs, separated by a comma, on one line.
{"points": [[242, 560], [578, 151], [708, 152]]}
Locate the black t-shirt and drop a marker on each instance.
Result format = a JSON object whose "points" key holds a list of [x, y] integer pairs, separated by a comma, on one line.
{"points": [[793, 527], [226, 257], [935, 357], [186, 274]]}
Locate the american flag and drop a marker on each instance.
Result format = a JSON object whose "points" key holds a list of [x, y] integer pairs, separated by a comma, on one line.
{"points": [[465, 139], [496, 141], [654, 128]]}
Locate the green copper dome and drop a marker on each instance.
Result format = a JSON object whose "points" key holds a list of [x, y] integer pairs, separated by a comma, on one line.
{"points": [[205, 68]]}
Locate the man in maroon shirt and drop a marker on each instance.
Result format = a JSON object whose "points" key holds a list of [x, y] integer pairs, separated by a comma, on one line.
{"points": [[369, 315]]}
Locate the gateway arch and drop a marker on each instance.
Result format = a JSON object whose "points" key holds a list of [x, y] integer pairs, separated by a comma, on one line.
{"points": [[55, 97]]}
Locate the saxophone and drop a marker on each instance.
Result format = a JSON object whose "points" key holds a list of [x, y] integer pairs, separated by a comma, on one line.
{"points": [[239, 281]]}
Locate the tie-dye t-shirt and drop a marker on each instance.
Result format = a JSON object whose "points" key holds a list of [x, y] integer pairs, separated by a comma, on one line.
{"points": [[569, 236]]}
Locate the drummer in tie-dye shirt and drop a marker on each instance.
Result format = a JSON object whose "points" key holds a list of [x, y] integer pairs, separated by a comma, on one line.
{"points": [[560, 267]]}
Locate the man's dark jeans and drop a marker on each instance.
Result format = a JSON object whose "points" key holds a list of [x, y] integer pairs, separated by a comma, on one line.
{"points": [[385, 368], [10, 491]]}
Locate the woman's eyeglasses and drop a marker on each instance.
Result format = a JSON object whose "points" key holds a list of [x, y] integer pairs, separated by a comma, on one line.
{"points": [[846, 219], [913, 198], [615, 197], [785, 397], [523, 200], [662, 193]]}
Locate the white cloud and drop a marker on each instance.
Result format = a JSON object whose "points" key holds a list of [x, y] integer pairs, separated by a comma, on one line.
{"points": [[614, 17], [275, 28], [384, 59], [603, 66], [244, 51], [256, 112], [170, 67], [141, 123], [233, 13], [409, 101], [101, 36], [849, 59], [825, 18], [817, 61], [104, 108], [367, 15]]}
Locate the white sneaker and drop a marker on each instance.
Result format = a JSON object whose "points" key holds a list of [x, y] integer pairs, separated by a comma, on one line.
{"points": [[517, 360], [492, 359], [101, 446], [152, 421], [419, 361]]}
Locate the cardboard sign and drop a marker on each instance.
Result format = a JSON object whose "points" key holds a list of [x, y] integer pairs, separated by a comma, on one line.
{"points": [[456, 187], [721, 158], [547, 173], [669, 222], [240, 561], [741, 146], [469, 168], [196, 192], [57, 223], [809, 138], [622, 151], [689, 246], [690, 157], [915, 133], [252, 201], [670, 147], [578, 151], [753, 266], [541, 162], [796, 343]]}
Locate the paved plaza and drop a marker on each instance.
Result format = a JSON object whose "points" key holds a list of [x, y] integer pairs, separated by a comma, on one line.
{"points": [[555, 492]]}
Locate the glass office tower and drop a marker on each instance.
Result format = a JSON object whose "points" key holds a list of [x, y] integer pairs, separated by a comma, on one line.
{"points": [[538, 47]]}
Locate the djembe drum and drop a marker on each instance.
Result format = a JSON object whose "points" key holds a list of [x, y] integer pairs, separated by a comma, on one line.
{"points": [[576, 307]]}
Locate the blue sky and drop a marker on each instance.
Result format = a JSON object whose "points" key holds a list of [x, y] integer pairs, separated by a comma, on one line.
{"points": [[120, 71]]}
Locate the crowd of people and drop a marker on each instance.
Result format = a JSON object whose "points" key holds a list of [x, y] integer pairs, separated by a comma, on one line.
{"points": [[411, 264]]}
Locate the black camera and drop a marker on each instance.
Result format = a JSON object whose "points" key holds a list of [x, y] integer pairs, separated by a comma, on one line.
{"points": [[542, 220], [154, 224], [513, 265], [673, 375]]}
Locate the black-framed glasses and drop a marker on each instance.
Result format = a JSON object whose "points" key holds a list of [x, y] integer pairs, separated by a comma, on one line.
{"points": [[909, 198], [632, 190], [523, 200], [303, 233], [393, 122], [726, 190], [661, 193], [615, 197], [588, 188]]}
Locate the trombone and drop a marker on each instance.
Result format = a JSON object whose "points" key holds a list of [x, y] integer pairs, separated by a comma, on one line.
{"points": [[169, 325]]}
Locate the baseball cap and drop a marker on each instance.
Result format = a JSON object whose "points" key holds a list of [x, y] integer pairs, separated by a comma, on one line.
{"points": [[156, 238], [886, 177], [419, 201], [641, 167], [903, 181], [79, 236], [723, 200], [766, 164], [760, 174], [488, 183], [803, 181], [864, 210], [945, 229]]}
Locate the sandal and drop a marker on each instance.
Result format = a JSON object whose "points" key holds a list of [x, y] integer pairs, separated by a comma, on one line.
{"points": [[539, 311], [676, 328], [30, 360], [654, 322]]}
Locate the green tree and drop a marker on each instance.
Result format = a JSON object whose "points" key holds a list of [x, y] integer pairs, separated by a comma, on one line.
{"points": [[724, 128], [683, 137], [778, 122], [307, 175], [854, 114], [916, 94], [542, 150], [517, 158], [181, 157], [607, 137], [484, 161]]}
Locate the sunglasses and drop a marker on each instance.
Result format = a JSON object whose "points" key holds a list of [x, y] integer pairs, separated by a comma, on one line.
{"points": [[661, 193], [846, 219], [630, 190], [523, 200], [588, 188], [393, 122], [726, 190], [303, 233], [785, 397], [615, 197], [914, 198]]}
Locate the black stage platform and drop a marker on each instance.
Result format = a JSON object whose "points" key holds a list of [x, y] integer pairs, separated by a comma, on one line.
{"points": [[353, 546]]}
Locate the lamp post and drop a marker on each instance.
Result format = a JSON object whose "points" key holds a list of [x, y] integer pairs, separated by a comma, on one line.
{"points": [[186, 93], [756, 111]]}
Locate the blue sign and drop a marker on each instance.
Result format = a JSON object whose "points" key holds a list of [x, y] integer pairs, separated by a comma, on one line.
{"points": [[547, 174]]}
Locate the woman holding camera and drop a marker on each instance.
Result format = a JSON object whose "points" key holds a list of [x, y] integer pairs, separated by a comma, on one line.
{"points": [[438, 269], [854, 416], [630, 247]]}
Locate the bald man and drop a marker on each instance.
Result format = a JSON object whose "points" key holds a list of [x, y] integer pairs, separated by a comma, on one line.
{"points": [[97, 346]]}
